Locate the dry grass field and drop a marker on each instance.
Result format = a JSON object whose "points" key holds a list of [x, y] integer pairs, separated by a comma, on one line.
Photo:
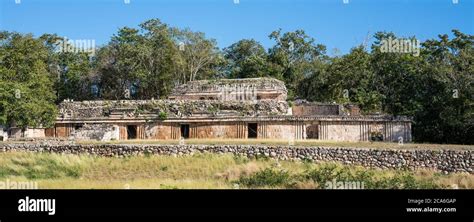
{"points": [[205, 171]]}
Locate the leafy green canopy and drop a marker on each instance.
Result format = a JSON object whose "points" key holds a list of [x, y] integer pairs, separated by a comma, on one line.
{"points": [[149, 61], [435, 87], [27, 94]]}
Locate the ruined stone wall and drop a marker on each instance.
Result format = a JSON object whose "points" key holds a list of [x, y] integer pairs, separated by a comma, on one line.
{"points": [[162, 131], [220, 130], [100, 132], [228, 130], [15, 132], [173, 108], [397, 132], [212, 130], [391, 131], [440, 160], [34, 133], [223, 130], [3, 134], [277, 130], [322, 109], [63, 129], [239, 130], [231, 89], [341, 131], [315, 109]]}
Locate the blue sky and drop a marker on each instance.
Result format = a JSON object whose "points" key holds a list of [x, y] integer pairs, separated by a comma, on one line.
{"points": [[330, 22]]}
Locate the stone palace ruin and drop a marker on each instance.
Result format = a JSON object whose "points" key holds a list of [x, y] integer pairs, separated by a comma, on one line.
{"points": [[227, 109]]}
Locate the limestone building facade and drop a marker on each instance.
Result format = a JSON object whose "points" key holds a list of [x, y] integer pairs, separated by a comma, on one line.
{"points": [[228, 109]]}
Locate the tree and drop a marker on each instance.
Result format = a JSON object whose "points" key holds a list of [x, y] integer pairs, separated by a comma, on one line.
{"points": [[247, 59], [71, 69], [198, 55], [448, 108], [147, 62], [435, 87], [397, 77], [117, 64], [292, 56], [26, 96], [353, 80], [157, 57], [138, 63], [316, 86]]}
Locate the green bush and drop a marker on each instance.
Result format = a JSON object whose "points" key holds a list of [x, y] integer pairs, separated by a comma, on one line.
{"points": [[163, 115], [371, 180], [239, 159], [261, 157], [164, 168], [267, 178], [404, 180]]}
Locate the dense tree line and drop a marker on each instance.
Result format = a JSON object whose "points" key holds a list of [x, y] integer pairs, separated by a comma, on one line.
{"points": [[434, 86]]}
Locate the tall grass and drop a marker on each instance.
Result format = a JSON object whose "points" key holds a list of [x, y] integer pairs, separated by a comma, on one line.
{"points": [[205, 171], [41, 166], [372, 179], [320, 175]]}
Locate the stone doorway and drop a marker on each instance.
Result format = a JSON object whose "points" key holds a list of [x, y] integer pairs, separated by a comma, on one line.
{"points": [[131, 132], [252, 130], [185, 131], [312, 131]]}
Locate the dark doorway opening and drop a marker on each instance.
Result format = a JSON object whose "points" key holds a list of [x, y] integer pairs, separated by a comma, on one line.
{"points": [[131, 132], [252, 130], [312, 132], [376, 136], [185, 131], [78, 126]]}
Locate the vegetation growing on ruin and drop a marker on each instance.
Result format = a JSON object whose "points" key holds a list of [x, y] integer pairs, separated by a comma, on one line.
{"points": [[213, 109], [163, 115], [205, 171]]}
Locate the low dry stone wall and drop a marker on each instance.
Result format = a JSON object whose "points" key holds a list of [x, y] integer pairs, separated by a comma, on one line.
{"points": [[445, 161]]}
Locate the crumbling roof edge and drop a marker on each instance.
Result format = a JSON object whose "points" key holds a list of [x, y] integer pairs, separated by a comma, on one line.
{"points": [[377, 118]]}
